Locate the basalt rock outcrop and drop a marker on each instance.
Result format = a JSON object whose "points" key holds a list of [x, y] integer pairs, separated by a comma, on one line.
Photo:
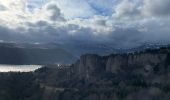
{"points": [[148, 65]]}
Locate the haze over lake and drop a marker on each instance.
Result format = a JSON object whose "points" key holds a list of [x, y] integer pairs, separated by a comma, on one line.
{"points": [[19, 68]]}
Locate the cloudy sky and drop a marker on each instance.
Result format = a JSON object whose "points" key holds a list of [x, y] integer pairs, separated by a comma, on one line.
{"points": [[123, 23]]}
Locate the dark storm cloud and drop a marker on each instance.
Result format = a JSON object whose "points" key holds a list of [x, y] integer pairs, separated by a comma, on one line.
{"points": [[7, 35], [56, 13], [47, 32]]}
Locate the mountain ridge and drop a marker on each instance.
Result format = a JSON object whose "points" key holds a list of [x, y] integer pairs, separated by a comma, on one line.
{"points": [[14, 53]]}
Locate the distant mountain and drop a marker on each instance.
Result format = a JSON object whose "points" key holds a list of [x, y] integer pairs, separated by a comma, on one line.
{"points": [[78, 49], [145, 46], [25, 53]]}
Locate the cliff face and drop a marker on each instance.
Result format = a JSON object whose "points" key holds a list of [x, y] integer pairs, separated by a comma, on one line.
{"points": [[89, 65], [120, 62], [144, 64]]}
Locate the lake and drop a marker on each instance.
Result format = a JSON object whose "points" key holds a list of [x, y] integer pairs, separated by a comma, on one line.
{"points": [[19, 68]]}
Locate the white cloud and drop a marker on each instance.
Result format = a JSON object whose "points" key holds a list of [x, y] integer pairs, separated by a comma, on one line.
{"points": [[126, 8], [75, 8]]}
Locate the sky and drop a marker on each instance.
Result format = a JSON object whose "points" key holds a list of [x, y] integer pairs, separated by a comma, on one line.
{"points": [[121, 23]]}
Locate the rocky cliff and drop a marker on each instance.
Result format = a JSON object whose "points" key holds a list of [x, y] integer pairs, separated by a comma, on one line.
{"points": [[146, 64]]}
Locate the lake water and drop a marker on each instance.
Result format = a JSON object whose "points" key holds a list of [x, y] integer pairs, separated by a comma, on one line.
{"points": [[19, 68]]}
